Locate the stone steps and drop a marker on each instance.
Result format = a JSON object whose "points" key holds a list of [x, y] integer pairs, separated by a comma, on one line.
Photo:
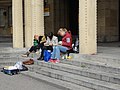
{"points": [[94, 65], [5, 39], [53, 81], [106, 58], [83, 71], [74, 78]]}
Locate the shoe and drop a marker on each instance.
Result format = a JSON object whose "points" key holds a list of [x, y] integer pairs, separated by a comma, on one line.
{"points": [[38, 52], [57, 61], [28, 62], [40, 58], [26, 54], [51, 60]]}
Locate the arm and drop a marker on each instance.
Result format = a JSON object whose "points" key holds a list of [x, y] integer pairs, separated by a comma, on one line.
{"points": [[55, 42], [43, 39], [47, 42]]}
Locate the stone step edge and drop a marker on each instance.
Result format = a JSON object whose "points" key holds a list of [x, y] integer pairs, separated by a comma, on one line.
{"points": [[79, 80], [109, 77], [91, 65], [92, 62], [55, 82], [103, 59], [96, 56]]}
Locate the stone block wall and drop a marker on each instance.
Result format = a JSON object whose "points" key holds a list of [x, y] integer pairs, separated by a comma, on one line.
{"points": [[108, 20]]}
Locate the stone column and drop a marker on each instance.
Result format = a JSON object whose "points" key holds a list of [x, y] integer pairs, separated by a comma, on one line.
{"points": [[28, 23], [37, 17], [87, 26], [17, 23]]}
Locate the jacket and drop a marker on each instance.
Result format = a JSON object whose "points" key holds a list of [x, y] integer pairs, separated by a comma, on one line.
{"points": [[54, 41], [35, 42], [42, 39], [67, 40]]}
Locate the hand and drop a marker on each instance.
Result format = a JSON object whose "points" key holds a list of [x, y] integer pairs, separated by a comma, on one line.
{"points": [[45, 44], [50, 44], [60, 42]]}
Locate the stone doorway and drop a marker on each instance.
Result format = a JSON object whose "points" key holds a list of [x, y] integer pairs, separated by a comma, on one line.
{"points": [[6, 21]]}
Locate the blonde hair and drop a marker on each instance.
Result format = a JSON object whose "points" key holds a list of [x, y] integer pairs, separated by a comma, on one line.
{"points": [[62, 30]]}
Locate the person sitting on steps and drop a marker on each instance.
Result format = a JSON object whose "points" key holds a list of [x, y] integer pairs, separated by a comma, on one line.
{"points": [[64, 45], [38, 44], [49, 45]]}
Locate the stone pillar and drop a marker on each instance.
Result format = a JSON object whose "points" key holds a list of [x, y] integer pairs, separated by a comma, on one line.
{"points": [[37, 17], [28, 23], [87, 26], [17, 23]]}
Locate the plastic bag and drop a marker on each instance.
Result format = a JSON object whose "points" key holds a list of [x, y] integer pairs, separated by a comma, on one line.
{"points": [[47, 55], [18, 65]]}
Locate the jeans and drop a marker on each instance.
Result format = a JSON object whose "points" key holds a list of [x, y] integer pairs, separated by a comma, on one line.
{"points": [[57, 50]]}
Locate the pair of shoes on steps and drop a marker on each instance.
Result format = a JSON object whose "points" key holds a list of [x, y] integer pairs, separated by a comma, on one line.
{"points": [[28, 62], [54, 60]]}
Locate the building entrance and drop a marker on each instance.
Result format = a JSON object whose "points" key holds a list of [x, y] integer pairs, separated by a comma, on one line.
{"points": [[73, 16], [5, 20], [65, 14]]}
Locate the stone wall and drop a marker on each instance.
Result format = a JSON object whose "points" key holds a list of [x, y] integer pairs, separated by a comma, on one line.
{"points": [[49, 20], [108, 20]]}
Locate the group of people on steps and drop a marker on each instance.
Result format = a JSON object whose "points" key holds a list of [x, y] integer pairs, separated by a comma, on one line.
{"points": [[55, 44]]}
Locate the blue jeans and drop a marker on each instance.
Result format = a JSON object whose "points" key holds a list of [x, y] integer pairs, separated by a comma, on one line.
{"points": [[57, 50]]}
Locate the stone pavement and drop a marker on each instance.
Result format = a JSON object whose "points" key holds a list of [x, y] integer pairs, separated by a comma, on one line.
{"points": [[21, 82]]}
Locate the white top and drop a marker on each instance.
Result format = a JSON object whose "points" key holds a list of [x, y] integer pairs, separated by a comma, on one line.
{"points": [[54, 41]]}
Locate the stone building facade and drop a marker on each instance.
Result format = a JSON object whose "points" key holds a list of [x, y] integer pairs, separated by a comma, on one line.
{"points": [[108, 20], [91, 20]]}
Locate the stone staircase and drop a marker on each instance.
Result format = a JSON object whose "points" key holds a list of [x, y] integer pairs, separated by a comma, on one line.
{"points": [[83, 72], [5, 39]]}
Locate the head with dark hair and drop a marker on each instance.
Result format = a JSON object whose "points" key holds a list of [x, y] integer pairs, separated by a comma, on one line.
{"points": [[50, 35]]}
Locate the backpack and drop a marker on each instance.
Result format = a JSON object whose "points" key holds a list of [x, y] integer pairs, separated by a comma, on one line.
{"points": [[47, 55], [75, 45]]}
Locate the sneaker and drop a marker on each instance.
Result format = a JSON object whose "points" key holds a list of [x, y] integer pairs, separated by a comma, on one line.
{"points": [[40, 58], [26, 54], [51, 60], [38, 52], [57, 61]]}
